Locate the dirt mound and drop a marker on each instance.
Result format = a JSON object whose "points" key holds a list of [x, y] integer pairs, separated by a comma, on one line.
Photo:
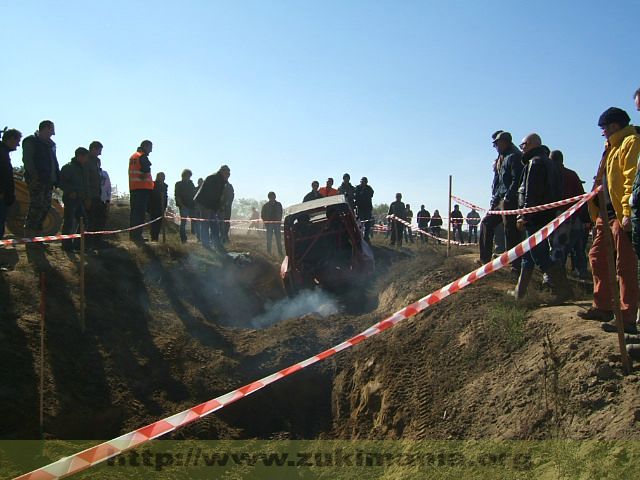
{"points": [[169, 326]]}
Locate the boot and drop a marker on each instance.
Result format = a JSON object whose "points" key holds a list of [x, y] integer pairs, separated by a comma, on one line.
{"points": [[523, 283], [559, 284]]}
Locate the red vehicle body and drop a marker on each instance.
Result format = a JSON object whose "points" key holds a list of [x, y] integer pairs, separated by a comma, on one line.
{"points": [[324, 246]]}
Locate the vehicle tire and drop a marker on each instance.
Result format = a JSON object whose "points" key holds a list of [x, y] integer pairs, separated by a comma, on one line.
{"points": [[52, 222]]}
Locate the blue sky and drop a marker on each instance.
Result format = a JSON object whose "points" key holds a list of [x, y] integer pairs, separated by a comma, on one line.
{"points": [[284, 92]]}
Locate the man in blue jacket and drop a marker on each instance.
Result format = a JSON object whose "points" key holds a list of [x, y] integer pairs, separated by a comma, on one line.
{"points": [[504, 196]]}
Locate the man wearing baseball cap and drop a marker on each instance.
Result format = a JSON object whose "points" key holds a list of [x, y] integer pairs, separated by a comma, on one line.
{"points": [[616, 174], [504, 196]]}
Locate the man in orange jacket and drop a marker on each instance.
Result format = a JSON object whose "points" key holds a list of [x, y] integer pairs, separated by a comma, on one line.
{"points": [[328, 190], [140, 187]]}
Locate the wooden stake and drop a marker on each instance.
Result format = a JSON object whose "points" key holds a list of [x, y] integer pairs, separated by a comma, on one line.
{"points": [[82, 262], [449, 218], [613, 282], [42, 319]]}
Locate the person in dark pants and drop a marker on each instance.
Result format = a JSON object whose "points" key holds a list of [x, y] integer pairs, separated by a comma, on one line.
{"points": [[140, 187], [94, 203], [424, 217], [75, 188], [184, 192], [41, 172], [10, 142], [158, 205], [398, 210], [473, 219], [208, 200], [364, 206], [541, 184], [227, 204], [408, 232], [504, 196], [272, 217], [436, 223], [456, 223]]}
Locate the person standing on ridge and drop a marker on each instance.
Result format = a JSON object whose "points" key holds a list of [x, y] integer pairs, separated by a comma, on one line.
{"points": [[424, 217], [364, 206], [473, 219], [398, 210], [328, 190], [408, 231], [616, 173], [140, 187], [348, 190], [42, 173], [314, 194], [504, 196], [10, 142], [208, 200], [541, 184], [75, 187], [456, 223], [272, 217], [158, 204], [184, 191]]}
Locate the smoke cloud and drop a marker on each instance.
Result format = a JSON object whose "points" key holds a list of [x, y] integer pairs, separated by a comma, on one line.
{"points": [[307, 302]]}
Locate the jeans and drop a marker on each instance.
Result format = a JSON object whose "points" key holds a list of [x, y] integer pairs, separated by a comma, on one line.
{"points": [[473, 233], [487, 230], [540, 254], [139, 201], [273, 229], [397, 230], [210, 230]]}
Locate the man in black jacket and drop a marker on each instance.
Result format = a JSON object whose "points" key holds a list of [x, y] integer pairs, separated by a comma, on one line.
{"points": [[364, 205], [10, 142], [398, 210], [314, 194], [41, 172], [456, 223], [158, 204], [272, 217], [473, 219], [75, 188], [209, 202], [541, 184], [424, 217], [184, 192], [504, 196]]}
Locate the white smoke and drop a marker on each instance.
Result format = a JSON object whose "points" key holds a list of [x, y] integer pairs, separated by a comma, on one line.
{"points": [[307, 302]]}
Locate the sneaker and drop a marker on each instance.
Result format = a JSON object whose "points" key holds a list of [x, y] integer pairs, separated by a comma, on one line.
{"points": [[593, 313], [610, 327]]}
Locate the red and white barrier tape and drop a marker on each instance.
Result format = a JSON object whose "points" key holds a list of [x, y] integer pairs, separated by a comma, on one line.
{"points": [[48, 238], [53, 238], [467, 204], [195, 219], [94, 455], [419, 230], [539, 208], [129, 229]]}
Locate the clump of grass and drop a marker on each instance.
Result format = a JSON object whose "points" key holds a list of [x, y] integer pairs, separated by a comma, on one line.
{"points": [[506, 323]]}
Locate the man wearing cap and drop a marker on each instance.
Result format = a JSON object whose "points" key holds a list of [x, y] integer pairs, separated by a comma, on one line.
{"points": [[616, 174], [348, 190], [504, 196]]}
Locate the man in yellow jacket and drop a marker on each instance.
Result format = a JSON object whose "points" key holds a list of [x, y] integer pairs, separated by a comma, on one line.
{"points": [[616, 173]]}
